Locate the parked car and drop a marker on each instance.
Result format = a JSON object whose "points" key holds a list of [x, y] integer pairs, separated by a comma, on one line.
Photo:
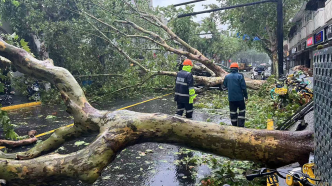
{"points": [[258, 73]]}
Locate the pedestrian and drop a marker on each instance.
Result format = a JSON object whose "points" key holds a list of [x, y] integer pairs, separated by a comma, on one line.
{"points": [[184, 90], [237, 94]]}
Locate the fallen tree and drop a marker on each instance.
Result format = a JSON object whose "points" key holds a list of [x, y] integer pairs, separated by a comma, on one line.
{"points": [[119, 129], [130, 29], [30, 140]]}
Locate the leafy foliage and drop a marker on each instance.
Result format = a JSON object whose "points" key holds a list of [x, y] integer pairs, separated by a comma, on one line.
{"points": [[223, 170], [7, 127], [259, 21], [72, 42], [260, 106]]}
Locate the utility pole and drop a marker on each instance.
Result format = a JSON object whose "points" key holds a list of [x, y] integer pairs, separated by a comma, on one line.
{"points": [[280, 37]]}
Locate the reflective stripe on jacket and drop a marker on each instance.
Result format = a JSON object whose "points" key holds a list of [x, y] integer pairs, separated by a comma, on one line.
{"points": [[184, 88]]}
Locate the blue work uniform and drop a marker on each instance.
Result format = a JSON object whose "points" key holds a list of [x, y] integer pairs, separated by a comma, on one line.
{"points": [[237, 92]]}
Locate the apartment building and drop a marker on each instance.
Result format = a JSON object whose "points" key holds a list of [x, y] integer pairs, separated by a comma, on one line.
{"points": [[313, 27]]}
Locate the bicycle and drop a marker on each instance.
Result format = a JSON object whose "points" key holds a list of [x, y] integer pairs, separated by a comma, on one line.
{"points": [[305, 93], [6, 99], [292, 178], [280, 92]]}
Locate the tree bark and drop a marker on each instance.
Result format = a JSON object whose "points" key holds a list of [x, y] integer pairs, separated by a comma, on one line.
{"points": [[120, 129], [275, 64], [123, 128], [11, 144]]}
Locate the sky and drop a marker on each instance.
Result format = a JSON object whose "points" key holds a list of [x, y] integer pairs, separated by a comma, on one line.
{"points": [[198, 6]]}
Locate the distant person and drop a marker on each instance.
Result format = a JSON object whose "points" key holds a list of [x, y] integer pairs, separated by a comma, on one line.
{"points": [[237, 93], [184, 90]]}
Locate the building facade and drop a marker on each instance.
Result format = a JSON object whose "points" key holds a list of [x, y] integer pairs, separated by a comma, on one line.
{"points": [[313, 27]]}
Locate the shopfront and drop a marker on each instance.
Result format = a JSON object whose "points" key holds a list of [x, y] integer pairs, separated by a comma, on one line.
{"points": [[328, 33]]}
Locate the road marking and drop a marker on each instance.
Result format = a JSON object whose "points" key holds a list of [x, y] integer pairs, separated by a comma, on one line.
{"points": [[50, 132], [25, 105]]}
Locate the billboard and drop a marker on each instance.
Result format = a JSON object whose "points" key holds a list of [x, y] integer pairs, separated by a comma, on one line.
{"points": [[319, 37], [310, 41]]}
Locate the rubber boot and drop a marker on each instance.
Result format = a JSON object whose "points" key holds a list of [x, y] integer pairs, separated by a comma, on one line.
{"points": [[241, 123]]}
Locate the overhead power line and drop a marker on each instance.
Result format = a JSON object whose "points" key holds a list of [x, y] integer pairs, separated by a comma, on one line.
{"points": [[224, 8], [189, 2]]}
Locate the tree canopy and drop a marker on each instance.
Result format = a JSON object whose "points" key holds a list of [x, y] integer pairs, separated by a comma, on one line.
{"points": [[258, 21]]}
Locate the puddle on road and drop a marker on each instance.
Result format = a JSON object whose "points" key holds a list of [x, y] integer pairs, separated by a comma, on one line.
{"points": [[143, 164]]}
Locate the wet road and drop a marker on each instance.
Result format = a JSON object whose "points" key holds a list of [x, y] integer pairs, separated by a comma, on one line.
{"points": [[143, 164]]}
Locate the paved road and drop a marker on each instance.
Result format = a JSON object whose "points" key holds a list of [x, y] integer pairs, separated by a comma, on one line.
{"points": [[129, 168]]}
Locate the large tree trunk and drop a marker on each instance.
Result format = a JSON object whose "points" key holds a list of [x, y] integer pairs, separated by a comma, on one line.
{"points": [[275, 63], [123, 128], [214, 81], [120, 129]]}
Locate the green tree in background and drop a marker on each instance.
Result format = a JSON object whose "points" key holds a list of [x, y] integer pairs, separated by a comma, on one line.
{"points": [[259, 21]]}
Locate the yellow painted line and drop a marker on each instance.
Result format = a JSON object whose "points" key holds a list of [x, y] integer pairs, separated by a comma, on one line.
{"points": [[25, 105], [50, 132], [145, 101]]}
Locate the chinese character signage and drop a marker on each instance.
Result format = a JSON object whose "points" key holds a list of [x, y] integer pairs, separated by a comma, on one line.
{"points": [[310, 41], [303, 45], [329, 32], [319, 37]]}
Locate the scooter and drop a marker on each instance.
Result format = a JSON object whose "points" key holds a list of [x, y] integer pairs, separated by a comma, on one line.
{"points": [[34, 91], [7, 99]]}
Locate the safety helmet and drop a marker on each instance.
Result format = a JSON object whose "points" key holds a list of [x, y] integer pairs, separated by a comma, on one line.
{"points": [[234, 65], [187, 62]]}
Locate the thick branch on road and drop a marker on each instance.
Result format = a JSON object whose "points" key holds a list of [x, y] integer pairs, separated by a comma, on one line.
{"points": [[11, 144], [70, 90], [58, 138], [4, 62], [124, 128]]}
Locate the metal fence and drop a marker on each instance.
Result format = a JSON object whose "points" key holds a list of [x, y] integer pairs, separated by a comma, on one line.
{"points": [[323, 114]]}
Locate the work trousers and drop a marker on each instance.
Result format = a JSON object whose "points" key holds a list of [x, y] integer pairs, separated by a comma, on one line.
{"points": [[181, 107], [237, 119]]}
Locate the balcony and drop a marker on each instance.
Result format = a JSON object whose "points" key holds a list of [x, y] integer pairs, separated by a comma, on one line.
{"points": [[319, 18], [310, 27], [303, 33], [328, 12]]}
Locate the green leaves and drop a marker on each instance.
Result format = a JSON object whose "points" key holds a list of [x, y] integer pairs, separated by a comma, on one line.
{"points": [[24, 45], [16, 3], [259, 20], [79, 143], [7, 127]]}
